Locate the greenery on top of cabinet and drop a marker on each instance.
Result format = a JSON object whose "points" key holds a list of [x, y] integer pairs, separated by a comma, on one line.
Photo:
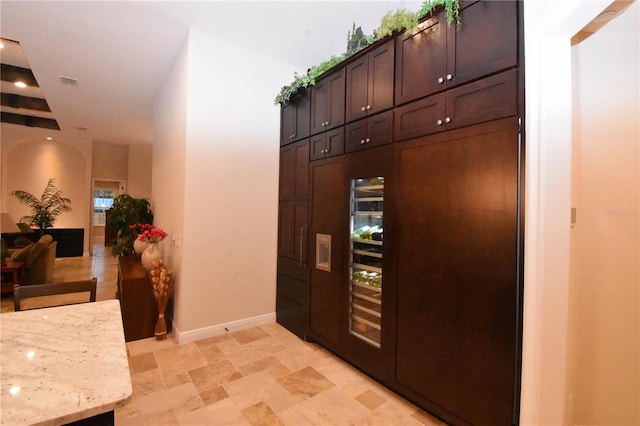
{"points": [[391, 22]]}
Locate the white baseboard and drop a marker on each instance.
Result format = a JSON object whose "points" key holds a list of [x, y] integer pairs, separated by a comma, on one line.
{"points": [[220, 329]]}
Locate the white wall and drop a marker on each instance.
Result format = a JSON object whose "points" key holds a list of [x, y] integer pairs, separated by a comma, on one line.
{"points": [[139, 171], [228, 267], [548, 26], [168, 170], [604, 381]]}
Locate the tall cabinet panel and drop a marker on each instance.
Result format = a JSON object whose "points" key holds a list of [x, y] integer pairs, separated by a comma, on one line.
{"points": [[328, 237], [293, 226], [457, 282]]}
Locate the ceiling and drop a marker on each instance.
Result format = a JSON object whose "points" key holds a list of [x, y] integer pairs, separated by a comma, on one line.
{"points": [[120, 51]]}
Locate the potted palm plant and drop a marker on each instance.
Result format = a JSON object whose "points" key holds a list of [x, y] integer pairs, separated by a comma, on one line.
{"points": [[46, 209]]}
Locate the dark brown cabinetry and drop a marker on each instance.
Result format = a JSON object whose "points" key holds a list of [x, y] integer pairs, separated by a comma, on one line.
{"points": [[328, 218], [400, 227], [327, 144], [484, 100], [369, 132], [294, 119], [327, 102], [436, 57], [457, 287], [291, 298], [370, 82], [138, 306], [294, 171]]}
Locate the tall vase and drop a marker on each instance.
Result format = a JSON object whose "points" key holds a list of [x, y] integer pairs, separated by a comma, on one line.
{"points": [[139, 246], [151, 254], [162, 285]]}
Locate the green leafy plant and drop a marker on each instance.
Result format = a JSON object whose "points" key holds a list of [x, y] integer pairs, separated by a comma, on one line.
{"points": [[391, 23], [451, 10], [128, 211], [46, 209]]}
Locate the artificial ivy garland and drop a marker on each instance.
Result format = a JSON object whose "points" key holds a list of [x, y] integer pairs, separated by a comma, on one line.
{"points": [[391, 22]]}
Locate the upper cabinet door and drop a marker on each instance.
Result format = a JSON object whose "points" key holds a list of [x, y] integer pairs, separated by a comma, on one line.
{"points": [[421, 60], [437, 56], [294, 119], [487, 41], [327, 102], [370, 82]]}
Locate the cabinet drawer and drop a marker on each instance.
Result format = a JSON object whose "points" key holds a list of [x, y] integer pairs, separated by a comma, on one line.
{"points": [[373, 131], [484, 100], [327, 144], [292, 268], [291, 316], [292, 289], [419, 118]]}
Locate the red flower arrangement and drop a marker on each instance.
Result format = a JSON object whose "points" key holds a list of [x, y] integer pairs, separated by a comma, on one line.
{"points": [[149, 233]]}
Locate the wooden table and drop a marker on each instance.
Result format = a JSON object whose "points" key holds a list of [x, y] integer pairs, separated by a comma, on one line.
{"points": [[63, 364], [14, 269]]}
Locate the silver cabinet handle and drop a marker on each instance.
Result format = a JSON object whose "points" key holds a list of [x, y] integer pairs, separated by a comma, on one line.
{"points": [[302, 228], [447, 120], [449, 77], [368, 107], [361, 141], [368, 140], [439, 122], [440, 80], [363, 109]]}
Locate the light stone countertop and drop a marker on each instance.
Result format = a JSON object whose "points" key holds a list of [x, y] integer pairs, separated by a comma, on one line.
{"points": [[62, 364]]}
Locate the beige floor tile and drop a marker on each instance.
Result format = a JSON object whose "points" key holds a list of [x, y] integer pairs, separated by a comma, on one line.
{"points": [[260, 414], [249, 335], [370, 399], [253, 351], [337, 407], [211, 396], [142, 346], [147, 382], [252, 389], [305, 383], [212, 375], [142, 362], [270, 365], [169, 403], [180, 358], [224, 412]]}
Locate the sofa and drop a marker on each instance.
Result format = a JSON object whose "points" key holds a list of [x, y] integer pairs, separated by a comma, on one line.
{"points": [[39, 260]]}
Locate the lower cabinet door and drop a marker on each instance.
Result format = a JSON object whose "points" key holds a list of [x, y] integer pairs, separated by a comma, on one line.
{"points": [[458, 287], [328, 227]]}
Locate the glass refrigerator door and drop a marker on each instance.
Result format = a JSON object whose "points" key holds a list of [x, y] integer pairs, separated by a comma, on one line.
{"points": [[367, 198]]}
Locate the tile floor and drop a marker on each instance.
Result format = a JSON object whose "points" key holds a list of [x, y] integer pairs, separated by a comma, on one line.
{"points": [[259, 376]]}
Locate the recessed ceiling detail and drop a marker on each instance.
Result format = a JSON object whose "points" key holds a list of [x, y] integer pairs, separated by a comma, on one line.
{"points": [[18, 107]]}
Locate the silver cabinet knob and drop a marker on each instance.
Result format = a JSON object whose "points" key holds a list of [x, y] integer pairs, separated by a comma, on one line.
{"points": [[362, 142], [439, 122], [326, 123], [440, 80], [449, 77], [327, 150], [447, 120], [368, 107], [292, 136], [368, 140], [363, 109]]}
